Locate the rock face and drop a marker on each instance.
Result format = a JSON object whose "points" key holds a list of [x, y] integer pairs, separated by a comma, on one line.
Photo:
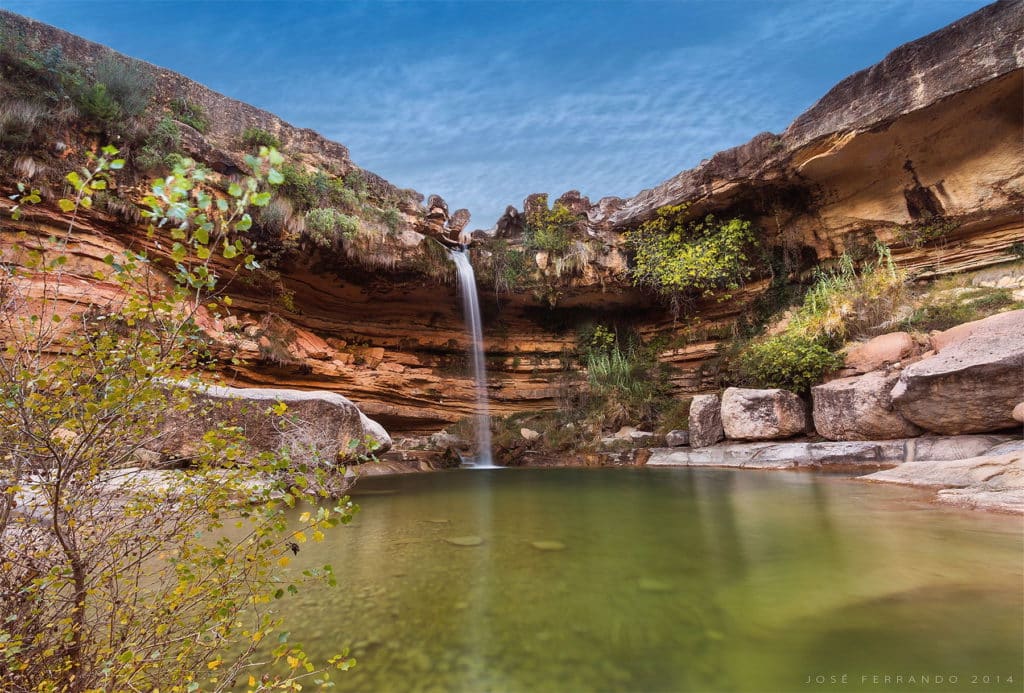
{"points": [[677, 439], [972, 384], [705, 421], [1018, 413], [884, 350], [322, 421], [749, 414], [859, 408]]}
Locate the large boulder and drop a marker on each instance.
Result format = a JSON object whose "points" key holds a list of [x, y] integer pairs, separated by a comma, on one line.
{"points": [[972, 383], [859, 408], [705, 421], [314, 421], [879, 352], [749, 414]]}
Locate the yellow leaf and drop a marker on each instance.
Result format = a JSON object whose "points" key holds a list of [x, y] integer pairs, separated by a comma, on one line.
{"points": [[283, 561], [293, 662], [304, 517], [300, 537], [211, 665], [65, 205], [252, 680]]}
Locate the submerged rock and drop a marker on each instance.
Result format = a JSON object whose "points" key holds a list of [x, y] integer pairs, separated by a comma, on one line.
{"points": [[974, 381], [654, 585], [468, 540], [749, 414], [547, 545], [705, 421], [859, 408]]}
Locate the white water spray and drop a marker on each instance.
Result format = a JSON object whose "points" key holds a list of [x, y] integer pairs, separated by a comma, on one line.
{"points": [[471, 311]]}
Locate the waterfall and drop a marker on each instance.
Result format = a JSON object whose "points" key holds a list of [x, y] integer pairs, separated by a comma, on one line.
{"points": [[471, 311]]}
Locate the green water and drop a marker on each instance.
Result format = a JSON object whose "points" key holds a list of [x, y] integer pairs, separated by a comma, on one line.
{"points": [[669, 580]]}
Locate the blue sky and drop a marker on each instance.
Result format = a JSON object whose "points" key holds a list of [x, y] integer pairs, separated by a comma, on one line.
{"points": [[487, 102]]}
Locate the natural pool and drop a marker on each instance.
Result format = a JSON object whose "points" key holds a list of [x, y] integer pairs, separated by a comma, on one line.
{"points": [[665, 580]]}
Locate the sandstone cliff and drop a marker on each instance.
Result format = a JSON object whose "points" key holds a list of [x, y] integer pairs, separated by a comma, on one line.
{"points": [[921, 151]]}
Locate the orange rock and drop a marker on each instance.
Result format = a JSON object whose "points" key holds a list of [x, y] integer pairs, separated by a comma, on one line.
{"points": [[881, 351]]}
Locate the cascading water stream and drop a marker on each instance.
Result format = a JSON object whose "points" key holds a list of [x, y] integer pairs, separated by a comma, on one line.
{"points": [[471, 311]]}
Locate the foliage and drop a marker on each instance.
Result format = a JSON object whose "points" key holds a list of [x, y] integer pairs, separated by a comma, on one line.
{"points": [[844, 304], [309, 189], [326, 226], [505, 267], [164, 140], [120, 90], [949, 310], [105, 590], [679, 258], [790, 361], [192, 114], [19, 122], [257, 137], [627, 383], [128, 83], [924, 231], [549, 230], [1017, 249]]}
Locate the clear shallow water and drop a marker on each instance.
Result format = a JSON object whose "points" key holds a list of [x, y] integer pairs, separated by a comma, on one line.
{"points": [[669, 580]]}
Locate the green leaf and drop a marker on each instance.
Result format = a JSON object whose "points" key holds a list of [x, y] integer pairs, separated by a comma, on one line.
{"points": [[117, 164], [235, 190], [202, 252], [243, 224], [229, 251], [66, 205], [201, 235], [178, 252], [274, 177]]}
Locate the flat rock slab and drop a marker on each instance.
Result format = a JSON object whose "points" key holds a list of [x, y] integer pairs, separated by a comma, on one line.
{"points": [[990, 482], [832, 455], [974, 381]]}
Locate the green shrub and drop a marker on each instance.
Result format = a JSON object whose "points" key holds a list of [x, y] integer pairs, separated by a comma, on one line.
{"points": [[789, 361], [391, 217], [127, 82], [627, 384], [325, 226], [925, 231], [505, 267], [190, 113], [256, 137], [96, 104], [549, 230], [844, 304], [677, 258], [309, 189], [160, 146]]}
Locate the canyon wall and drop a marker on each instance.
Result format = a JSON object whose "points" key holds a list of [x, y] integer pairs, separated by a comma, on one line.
{"points": [[926, 143]]}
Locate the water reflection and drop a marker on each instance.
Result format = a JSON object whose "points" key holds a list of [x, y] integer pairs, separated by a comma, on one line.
{"points": [[665, 580]]}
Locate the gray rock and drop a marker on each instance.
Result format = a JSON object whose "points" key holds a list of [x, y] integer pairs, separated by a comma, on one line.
{"points": [[974, 381], [1008, 447], [677, 438], [705, 421], [992, 482], [749, 414], [859, 408], [529, 434], [322, 421]]}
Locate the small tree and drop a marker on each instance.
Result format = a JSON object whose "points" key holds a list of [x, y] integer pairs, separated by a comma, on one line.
{"points": [[682, 259], [112, 578]]}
